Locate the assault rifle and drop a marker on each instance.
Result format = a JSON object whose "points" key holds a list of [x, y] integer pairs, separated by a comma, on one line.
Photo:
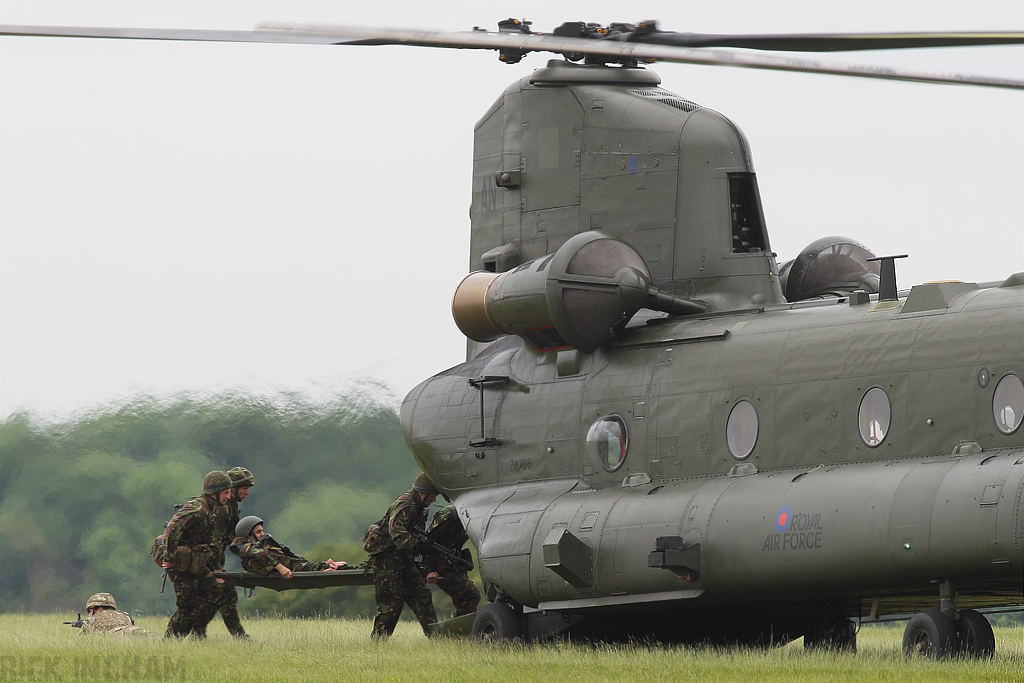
{"points": [[273, 543], [76, 624], [452, 556]]}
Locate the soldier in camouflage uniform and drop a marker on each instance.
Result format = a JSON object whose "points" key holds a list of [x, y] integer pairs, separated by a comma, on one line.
{"points": [[261, 554], [392, 546], [225, 519], [190, 550], [104, 618], [447, 530]]}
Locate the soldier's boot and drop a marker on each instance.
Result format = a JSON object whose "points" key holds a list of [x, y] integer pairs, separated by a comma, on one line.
{"points": [[383, 627], [233, 622], [238, 632]]}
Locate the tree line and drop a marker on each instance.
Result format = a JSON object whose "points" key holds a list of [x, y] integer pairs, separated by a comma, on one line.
{"points": [[81, 500]]}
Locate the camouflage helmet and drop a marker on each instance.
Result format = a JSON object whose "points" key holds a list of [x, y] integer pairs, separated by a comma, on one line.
{"points": [[101, 600], [424, 485], [215, 482], [240, 477], [246, 525]]}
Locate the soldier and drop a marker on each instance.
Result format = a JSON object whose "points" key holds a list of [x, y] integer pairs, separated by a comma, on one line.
{"points": [[225, 519], [104, 618], [261, 554], [447, 530], [392, 546], [189, 552]]}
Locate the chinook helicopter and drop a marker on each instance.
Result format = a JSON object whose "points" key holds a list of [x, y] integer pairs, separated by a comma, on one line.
{"points": [[661, 432]]}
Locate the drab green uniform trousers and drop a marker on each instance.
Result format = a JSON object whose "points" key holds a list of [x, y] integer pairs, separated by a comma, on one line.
{"points": [[198, 599], [229, 611], [398, 580]]}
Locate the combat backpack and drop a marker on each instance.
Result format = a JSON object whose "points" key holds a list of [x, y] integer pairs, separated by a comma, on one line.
{"points": [[160, 541], [376, 534]]}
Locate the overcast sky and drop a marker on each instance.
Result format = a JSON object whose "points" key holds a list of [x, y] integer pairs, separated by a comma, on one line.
{"points": [[194, 217]]}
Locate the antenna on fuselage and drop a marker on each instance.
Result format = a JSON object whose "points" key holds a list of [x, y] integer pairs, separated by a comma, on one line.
{"points": [[887, 277]]}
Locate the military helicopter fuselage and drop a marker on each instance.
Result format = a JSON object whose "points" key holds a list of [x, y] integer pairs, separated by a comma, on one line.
{"points": [[707, 459]]}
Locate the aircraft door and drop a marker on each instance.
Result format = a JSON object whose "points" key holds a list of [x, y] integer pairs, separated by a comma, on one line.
{"points": [[540, 419]]}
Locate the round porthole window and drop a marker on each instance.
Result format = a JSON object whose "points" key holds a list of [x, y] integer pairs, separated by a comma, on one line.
{"points": [[607, 442], [1008, 404], [874, 416], [741, 430]]}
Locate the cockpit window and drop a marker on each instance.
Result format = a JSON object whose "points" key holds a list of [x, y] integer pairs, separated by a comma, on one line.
{"points": [[829, 266], [607, 442], [840, 266]]}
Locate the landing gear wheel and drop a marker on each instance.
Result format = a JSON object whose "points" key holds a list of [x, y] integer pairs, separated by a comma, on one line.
{"points": [[975, 635], [497, 622], [834, 634], [930, 633]]}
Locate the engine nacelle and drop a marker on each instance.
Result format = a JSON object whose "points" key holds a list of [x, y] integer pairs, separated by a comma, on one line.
{"points": [[577, 297]]}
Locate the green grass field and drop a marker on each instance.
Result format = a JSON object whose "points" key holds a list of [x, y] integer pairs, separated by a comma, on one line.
{"points": [[39, 648]]}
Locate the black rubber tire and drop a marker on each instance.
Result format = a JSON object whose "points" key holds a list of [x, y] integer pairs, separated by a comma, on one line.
{"points": [[975, 633], [839, 635], [497, 622], [930, 633]]}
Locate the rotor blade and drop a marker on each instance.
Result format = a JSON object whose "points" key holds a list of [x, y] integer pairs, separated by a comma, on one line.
{"points": [[202, 35], [523, 42], [796, 42], [832, 42], [479, 39]]}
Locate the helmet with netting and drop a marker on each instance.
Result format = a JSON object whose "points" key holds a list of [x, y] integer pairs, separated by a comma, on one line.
{"points": [[215, 482], [424, 485], [240, 477], [101, 600]]}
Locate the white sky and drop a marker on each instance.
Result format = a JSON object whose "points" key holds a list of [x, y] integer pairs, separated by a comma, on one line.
{"points": [[191, 217]]}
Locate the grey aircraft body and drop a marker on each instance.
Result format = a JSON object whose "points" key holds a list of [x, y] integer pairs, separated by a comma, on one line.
{"points": [[757, 468]]}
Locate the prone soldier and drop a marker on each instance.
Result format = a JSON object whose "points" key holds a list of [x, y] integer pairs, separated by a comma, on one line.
{"points": [[104, 618], [190, 550], [450, 576], [392, 546], [261, 554], [225, 519]]}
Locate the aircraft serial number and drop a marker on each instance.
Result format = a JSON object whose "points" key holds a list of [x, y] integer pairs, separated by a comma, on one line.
{"points": [[521, 464]]}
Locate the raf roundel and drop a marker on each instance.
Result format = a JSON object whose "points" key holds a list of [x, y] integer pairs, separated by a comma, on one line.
{"points": [[782, 518]]}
